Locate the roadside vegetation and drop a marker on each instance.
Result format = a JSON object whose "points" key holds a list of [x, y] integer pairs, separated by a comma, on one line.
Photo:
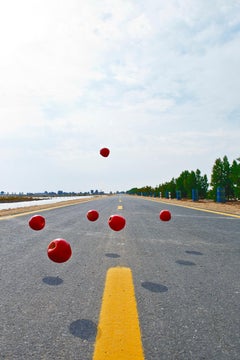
{"points": [[225, 178], [9, 198], [16, 198]]}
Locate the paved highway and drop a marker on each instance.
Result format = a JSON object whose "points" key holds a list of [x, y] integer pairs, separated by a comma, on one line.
{"points": [[185, 274]]}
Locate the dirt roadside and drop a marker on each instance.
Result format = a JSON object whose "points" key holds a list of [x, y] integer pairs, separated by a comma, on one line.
{"points": [[228, 207], [36, 208]]}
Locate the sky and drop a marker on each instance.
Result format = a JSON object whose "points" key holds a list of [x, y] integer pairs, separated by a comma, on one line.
{"points": [[157, 82]]}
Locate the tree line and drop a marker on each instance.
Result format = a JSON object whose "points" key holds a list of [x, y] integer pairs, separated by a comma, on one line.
{"points": [[224, 177]]}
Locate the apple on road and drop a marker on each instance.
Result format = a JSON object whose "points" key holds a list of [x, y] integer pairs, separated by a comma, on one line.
{"points": [[59, 250], [92, 215], [116, 222], [165, 215], [37, 222], [105, 152]]}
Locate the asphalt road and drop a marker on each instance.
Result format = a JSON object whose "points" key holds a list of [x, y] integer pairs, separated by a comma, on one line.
{"points": [[185, 272]]}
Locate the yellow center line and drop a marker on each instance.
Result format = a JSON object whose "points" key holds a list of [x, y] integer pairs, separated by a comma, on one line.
{"points": [[120, 207], [118, 336]]}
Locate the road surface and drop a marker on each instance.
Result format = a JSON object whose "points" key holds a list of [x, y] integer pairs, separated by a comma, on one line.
{"points": [[185, 274]]}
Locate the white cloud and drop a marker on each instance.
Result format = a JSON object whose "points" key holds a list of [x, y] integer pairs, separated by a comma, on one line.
{"points": [[140, 27], [154, 82]]}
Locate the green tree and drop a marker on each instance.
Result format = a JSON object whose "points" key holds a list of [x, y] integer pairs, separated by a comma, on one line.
{"points": [[185, 183], [168, 187], [201, 184], [217, 174], [181, 183], [221, 177], [172, 188], [191, 183], [204, 187], [133, 191], [235, 178], [146, 191], [228, 185]]}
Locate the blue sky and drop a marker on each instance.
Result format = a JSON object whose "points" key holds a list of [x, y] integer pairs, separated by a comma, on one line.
{"points": [[157, 82]]}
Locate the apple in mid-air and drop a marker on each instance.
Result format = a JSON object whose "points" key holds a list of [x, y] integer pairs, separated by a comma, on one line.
{"points": [[165, 215], [116, 222], [37, 222], [59, 250], [92, 215], [104, 152]]}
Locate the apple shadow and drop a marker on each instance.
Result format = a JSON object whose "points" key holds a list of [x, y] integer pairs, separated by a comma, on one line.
{"points": [[185, 262], [193, 252], [154, 287], [52, 280], [84, 329], [112, 255]]}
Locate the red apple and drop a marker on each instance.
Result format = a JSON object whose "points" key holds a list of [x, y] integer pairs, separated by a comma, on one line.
{"points": [[116, 222], [37, 222], [92, 215], [105, 152], [59, 250], [165, 215]]}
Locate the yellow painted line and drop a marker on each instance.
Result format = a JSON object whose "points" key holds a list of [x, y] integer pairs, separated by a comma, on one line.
{"points": [[196, 208], [120, 207], [118, 336]]}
